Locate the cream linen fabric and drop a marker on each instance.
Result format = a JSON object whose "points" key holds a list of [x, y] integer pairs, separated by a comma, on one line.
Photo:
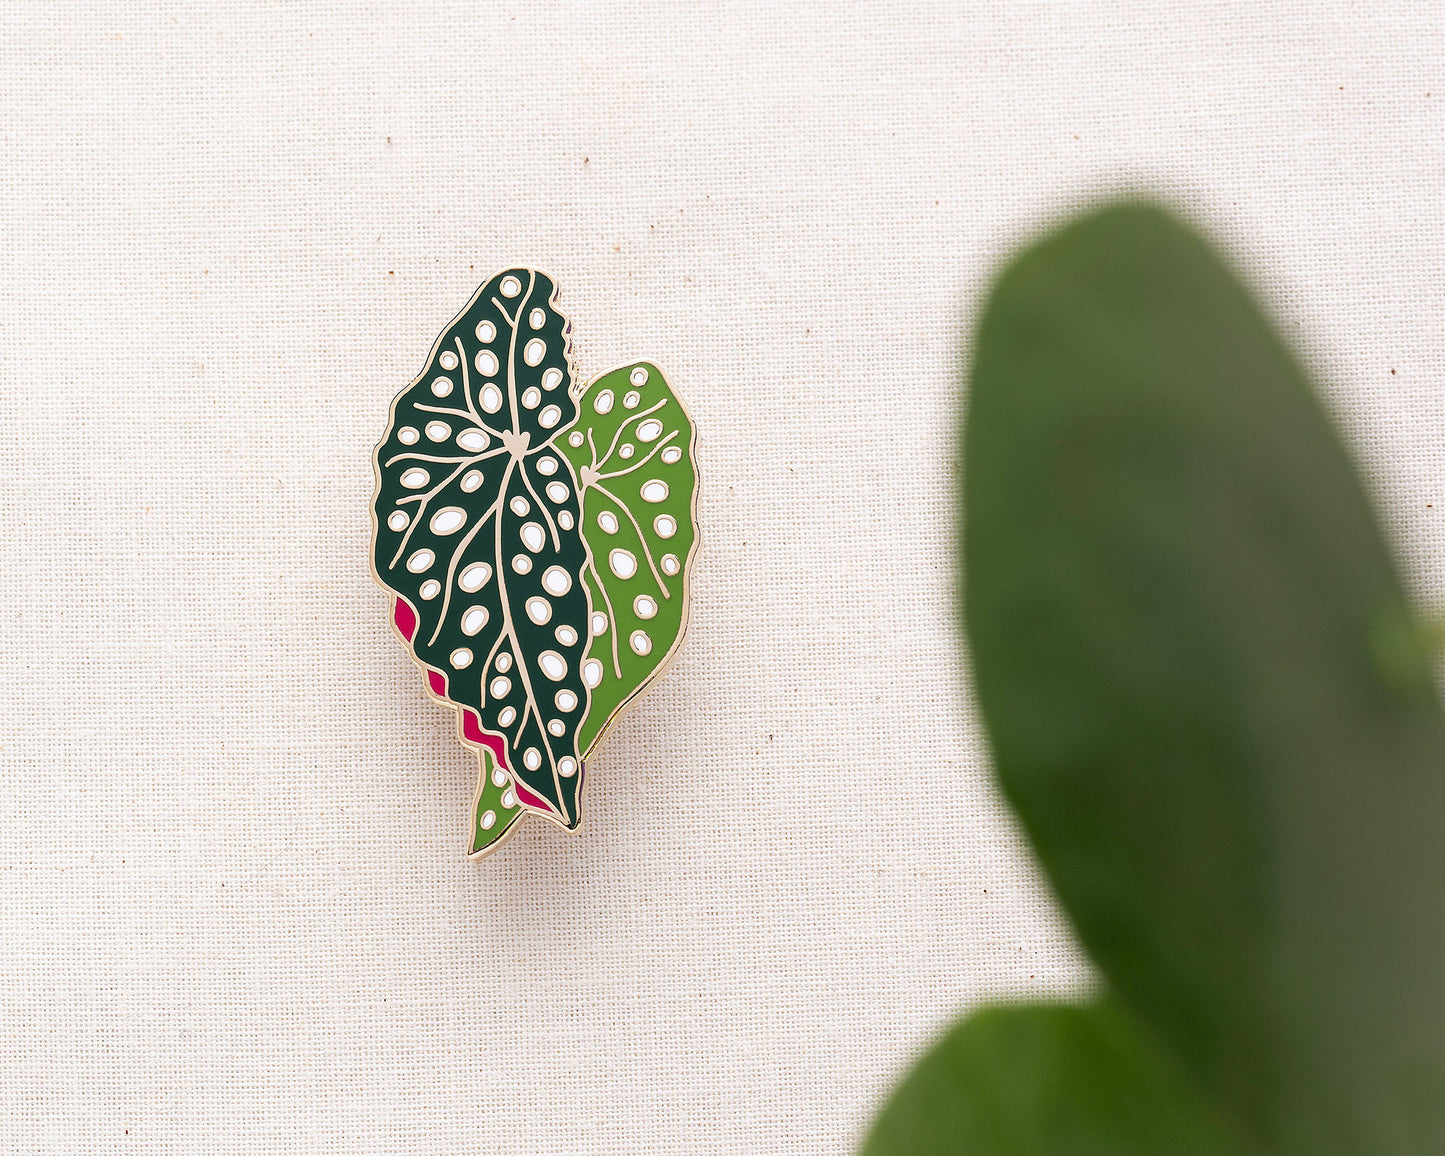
{"points": [[235, 914]]}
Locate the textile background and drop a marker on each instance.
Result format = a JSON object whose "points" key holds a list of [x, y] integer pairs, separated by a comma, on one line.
{"points": [[235, 912]]}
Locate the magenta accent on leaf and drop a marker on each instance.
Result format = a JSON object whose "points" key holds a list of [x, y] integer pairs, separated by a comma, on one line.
{"points": [[405, 618], [438, 684], [531, 800], [472, 732]]}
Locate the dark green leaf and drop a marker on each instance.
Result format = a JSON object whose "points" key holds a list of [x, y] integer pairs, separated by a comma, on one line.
{"points": [[1048, 1081], [1205, 690], [476, 534]]}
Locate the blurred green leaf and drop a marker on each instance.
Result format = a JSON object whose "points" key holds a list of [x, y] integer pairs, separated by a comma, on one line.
{"points": [[1048, 1081], [1207, 696]]}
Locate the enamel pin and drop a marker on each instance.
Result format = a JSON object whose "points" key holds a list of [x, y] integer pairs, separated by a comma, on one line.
{"points": [[534, 536]]}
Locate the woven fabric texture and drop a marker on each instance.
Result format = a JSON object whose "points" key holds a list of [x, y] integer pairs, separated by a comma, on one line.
{"points": [[235, 912]]}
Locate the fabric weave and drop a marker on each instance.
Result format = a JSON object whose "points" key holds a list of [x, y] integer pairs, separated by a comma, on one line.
{"points": [[235, 912]]}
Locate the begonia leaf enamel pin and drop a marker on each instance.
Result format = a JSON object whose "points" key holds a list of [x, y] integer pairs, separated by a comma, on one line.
{"points": [[535, 537]]}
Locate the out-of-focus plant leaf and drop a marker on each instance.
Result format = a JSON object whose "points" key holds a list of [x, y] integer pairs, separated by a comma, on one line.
{"points": [[1205, 690], [1049, 1081], [632, 453]]}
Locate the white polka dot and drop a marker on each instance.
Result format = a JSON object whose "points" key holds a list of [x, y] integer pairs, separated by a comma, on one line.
{"points": [[556, 728], [557, 491], [532, 759], [602, 403], [415, 479], [473, 440], [539, 610], [654, 491], [671, 455], [407, 435], [650, 430], [564, 519], [566, 700], [553, 665], [575, 439], [644, 607], [489, 820], [448, 360], [421, 560], [471, 480], [556, 581], [669, 564], [640, 642], [398, 521], [607, 520], [442, 386], [503, 662], [599, 623], [536, 319], [438, 431], [622, 562], [499, 777], [520, 506], [534, 351], [501, 687], [551, 379], [547, 466], [506, 719], [486, 331], [430, 589], [510, 286], [627, 450], [638, 376], [448, 520], [533, 536], [632, 400], [549, 417], [474, 619], [566, 635], [522, 564], [491, 398], [461, 658], [591, 672], [509, 798], [567, 766], [475, 576], [531, 397], [665, 525]]}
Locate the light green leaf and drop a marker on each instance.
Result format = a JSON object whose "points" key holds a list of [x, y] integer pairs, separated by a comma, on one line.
{"points": [[495, 810], [632, 453]]}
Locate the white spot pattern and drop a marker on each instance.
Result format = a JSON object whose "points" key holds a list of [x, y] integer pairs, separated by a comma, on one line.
{"points": [[474, 577], [448, 520]]}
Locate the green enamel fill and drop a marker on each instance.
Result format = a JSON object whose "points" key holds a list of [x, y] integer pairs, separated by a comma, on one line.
{"points": [[632, 453], [488, 802], [476, 514]]}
